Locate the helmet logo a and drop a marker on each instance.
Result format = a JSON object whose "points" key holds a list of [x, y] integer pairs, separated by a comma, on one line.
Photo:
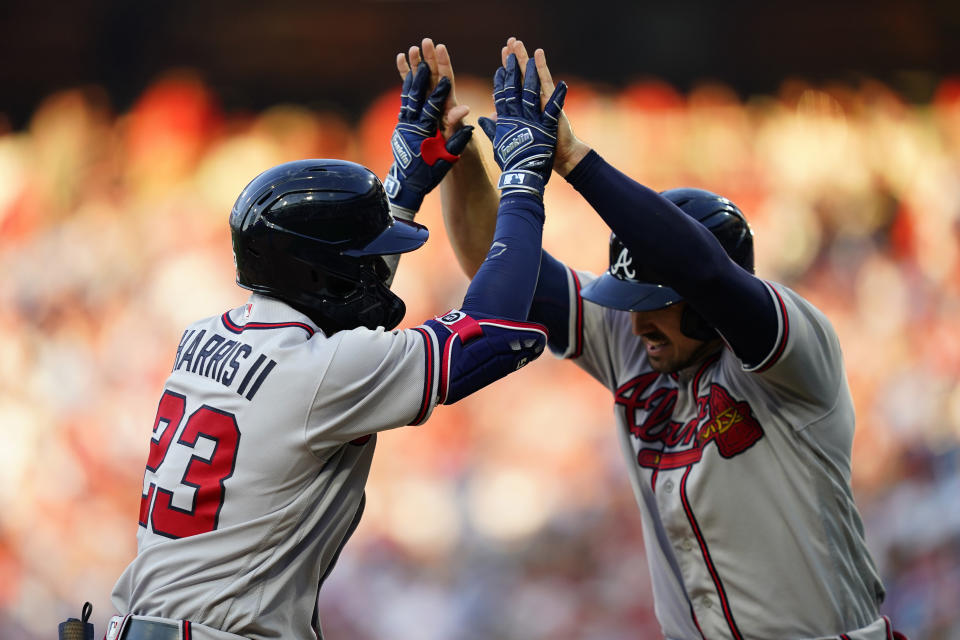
{"points": [[622, 267]]}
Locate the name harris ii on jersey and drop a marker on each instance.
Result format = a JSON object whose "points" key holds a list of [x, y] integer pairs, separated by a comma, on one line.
{"points": [[231, 362]]}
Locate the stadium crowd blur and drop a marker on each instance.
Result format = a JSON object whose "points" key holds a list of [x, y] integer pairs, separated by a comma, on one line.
{"points": [[508, 515]]}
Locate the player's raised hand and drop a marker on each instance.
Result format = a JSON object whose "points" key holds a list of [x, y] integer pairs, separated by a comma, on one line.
{"points": [[437, 58], [524, 135], [570, 149], [421, 156]]}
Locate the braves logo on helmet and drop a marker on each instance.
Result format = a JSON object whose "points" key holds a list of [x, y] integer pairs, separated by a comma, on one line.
{"points": [[622, 267]]}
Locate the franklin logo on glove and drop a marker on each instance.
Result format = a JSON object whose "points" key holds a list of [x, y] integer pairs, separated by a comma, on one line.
{"points": [[514, 143], [401, 152]]}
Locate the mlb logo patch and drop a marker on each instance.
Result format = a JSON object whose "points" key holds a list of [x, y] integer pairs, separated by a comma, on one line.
{"points": [[114, 627], [451, 317]]}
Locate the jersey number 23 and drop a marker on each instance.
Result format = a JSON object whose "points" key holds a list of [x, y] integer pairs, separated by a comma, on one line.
{"points": [[204, 473]]}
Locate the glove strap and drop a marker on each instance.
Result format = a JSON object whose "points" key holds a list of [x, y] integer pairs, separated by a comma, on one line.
{"points": [[390, 184], [519, 180], [434, 148], [397, 196]]}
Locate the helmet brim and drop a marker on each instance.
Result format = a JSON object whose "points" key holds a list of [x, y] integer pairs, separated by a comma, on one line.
{"points": [[612, 292], [400, 237]]}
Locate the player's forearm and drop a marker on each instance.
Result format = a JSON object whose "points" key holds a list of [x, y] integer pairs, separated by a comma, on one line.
{"points": [[651, 227], [551, 301], [681, 253], [469, 202], [505, 282]]}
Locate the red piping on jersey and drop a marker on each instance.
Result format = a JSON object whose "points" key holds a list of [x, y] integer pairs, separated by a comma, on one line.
{"points": [[123, 623], [727, 613], [445, 368], [578, 332], [891, 634], [703, 368], [237, 328], [783, 338], [428, 375], [187, 634], [695, 621], [844, 636]]}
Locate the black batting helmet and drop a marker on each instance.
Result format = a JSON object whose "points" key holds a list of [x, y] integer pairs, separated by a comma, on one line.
{"points": [[312, 233], [631, 285]]}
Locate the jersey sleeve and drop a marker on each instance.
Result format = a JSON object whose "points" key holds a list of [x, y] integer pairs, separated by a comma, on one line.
{"points": [[375, 380], [591, 336], [806, 362]]}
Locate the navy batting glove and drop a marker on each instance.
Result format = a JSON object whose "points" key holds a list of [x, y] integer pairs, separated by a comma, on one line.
{"points": [[524, 137], [420, 156]]}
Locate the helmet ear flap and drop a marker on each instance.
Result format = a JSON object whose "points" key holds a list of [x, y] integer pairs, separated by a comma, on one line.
{"points": [[376, 306], [693, 325]]}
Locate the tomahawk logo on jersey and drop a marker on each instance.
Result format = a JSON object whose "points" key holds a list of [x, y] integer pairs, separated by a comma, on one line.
{"points": [[647, 402]]}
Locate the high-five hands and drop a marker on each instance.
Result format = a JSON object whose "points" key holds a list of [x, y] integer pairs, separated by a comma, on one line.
{"points": [[570, 149], [421, 156], [524, 136]]}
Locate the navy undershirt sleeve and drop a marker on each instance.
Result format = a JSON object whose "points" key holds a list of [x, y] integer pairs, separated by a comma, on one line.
{"points": [[551, 302], [685, 254], [503, 286]]}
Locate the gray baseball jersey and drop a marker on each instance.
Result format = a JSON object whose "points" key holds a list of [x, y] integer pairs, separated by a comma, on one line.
{"points": [[255, 478], [742, 476]]}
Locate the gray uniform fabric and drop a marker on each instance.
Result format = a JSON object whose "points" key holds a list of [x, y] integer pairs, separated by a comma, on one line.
{"points": [[291, 476], [743, 479]]}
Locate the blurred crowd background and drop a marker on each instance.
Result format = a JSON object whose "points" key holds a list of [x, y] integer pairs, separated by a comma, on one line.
{"points": [[508, 515]]}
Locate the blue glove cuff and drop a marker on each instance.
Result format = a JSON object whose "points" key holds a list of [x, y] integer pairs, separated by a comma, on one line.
{"points": [[521, 181], [399, 195]]}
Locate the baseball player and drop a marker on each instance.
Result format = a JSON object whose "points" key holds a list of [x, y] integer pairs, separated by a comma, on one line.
{"points": [[732, 407], [266, 427]]}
